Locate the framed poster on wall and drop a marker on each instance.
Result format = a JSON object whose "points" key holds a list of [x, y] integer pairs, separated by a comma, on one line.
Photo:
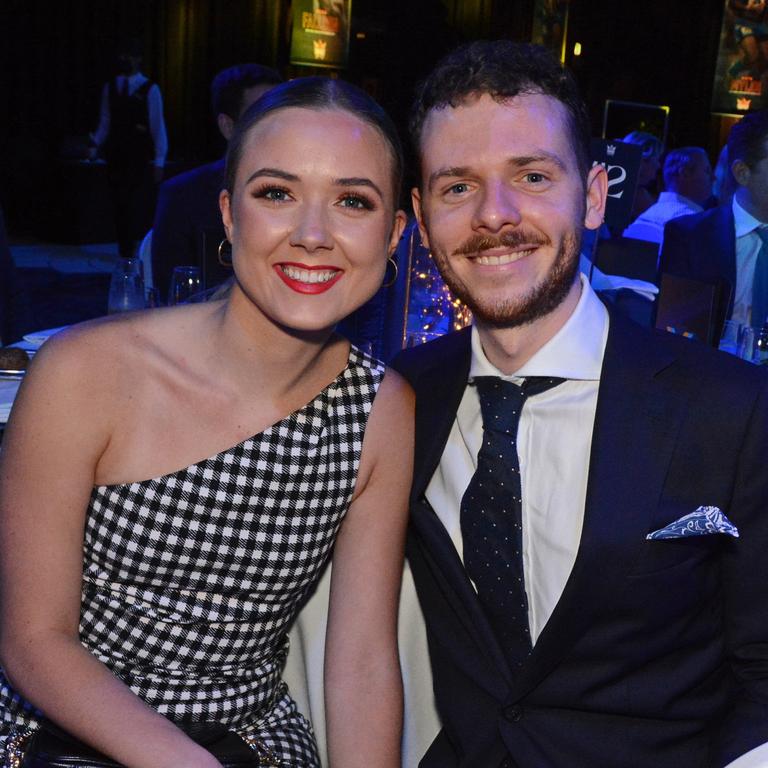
{"points": [[320, 33], [550, 25], [741, 72]]}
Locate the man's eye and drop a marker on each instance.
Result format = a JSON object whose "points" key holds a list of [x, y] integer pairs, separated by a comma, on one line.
{"points": [[458, 189], [357, 202], [535, 178]]}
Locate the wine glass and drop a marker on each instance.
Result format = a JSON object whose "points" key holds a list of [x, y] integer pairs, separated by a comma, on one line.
{"points": [[185, 284], [126, 287]]}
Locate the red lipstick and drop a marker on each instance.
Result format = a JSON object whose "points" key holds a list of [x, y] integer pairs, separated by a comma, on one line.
{"points": [[295, 283]]}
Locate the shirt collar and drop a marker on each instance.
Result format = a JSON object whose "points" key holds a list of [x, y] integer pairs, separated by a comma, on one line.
{"points": [[744, 222], [574, 352]]}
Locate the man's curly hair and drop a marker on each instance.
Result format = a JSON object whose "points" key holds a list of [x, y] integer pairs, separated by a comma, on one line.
{"points": [[502, 69]]}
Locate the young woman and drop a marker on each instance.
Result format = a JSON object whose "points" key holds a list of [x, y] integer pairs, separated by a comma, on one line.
{"points": [[173, 481]]}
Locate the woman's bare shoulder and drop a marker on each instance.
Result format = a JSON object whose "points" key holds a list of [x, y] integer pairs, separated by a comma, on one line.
{"points": [[100, 363], [395, 396], [388, 443], [116, 344]]}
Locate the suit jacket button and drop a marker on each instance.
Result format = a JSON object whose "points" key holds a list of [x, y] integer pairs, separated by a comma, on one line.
{"points": [[514, 714]]}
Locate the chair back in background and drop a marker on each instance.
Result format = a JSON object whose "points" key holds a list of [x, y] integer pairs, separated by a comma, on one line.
{"points": [[628, 257], [692, 307]]}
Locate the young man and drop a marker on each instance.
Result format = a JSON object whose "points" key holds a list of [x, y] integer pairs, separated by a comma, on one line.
{"points": [[560, 634]]}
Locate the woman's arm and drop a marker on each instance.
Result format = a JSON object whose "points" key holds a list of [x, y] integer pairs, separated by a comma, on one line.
{"points": [[60, 426], [363, 686]]}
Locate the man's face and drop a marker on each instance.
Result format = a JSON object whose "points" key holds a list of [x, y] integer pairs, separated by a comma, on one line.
{"points": [[699, 179], [502, 205], [755, 183]]}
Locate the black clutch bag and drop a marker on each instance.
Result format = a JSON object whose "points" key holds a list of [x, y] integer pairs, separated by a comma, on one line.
{"points": [[50, 747]]}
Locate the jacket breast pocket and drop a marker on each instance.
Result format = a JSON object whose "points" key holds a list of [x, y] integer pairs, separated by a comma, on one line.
{"points": [[659, 556]]}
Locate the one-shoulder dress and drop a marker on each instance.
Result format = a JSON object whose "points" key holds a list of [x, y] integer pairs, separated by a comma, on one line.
{"points": [[191, 579]]}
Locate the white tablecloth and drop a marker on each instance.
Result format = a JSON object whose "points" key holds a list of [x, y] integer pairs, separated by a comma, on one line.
{"points": [[304, 670], [8, 390]]}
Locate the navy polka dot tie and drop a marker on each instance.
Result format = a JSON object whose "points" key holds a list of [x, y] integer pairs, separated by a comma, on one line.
{"points": [[491, 513]]}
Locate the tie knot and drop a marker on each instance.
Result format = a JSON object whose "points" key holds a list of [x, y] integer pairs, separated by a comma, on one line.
{"points": [[501, 401]]}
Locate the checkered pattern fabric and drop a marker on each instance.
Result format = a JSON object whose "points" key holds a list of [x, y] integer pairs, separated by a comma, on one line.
{"points": [[191, 579]]}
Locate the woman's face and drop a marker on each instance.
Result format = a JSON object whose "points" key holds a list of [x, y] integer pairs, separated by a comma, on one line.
{"points": [[311, 216]]}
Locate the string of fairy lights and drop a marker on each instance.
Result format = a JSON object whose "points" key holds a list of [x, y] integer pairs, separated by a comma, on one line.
{"points": [[432, 308]]}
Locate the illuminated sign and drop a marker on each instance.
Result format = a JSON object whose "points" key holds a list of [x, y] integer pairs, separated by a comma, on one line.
{"points": [[320, 33]]}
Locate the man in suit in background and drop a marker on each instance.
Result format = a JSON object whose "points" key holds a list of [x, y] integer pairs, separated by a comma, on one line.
{"points": [[188, 204], [727, 243], [552, 438]]}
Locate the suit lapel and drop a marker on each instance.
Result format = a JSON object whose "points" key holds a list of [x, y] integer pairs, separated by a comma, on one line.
{"points": [[439, 390], [724, 242], [636, 424]]}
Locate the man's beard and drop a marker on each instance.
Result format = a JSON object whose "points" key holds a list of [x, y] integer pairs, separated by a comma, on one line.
{"points": [[540, 300]]}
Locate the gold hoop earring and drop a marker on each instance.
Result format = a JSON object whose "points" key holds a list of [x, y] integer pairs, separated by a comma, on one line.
{"points": [[222, 258], [391, 261]]}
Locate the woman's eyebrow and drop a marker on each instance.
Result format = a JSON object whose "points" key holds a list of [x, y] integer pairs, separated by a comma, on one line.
{"points": [[358, 181], [272, 172]]}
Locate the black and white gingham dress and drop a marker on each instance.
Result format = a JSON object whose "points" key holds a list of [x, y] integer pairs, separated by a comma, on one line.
{"points": [[191, 579]]}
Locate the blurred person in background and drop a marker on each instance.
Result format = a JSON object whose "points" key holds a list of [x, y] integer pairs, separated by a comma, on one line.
{"points": [[132, 138], [688, 186]]}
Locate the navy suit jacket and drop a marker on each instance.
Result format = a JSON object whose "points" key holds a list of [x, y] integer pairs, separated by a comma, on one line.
{"points": [[702, 246], [187, 208], [657, 652]]}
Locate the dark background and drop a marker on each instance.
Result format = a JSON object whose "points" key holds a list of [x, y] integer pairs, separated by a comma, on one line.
{"points": [[55, 56]]}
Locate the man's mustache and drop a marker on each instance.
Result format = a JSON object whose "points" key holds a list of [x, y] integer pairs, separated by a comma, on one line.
{"points": [[515, 237]]}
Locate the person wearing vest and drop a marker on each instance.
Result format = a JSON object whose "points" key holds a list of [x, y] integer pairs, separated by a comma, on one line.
{"points": [[132, 139]]}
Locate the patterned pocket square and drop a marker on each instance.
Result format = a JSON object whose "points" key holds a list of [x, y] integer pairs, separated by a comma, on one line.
{"points": [[700, 522]]}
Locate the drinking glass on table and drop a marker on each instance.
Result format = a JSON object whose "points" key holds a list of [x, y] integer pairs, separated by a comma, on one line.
{"points": [[746, 346], [185, 284], [729, 339], [126, 287]]}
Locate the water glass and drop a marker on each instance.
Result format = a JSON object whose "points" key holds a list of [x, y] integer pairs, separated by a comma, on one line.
{"points": [[729, 341], [746, 342], [126, 287], [185, 284], [152, 298]]}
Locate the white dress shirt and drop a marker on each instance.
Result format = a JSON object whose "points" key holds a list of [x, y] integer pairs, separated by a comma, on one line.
{"points": [[649, 225], [748, 245], [554, 440], [154, 108]]}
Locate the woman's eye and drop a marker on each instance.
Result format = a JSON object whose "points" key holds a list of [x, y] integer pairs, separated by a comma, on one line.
{"points": [[275, 194], [357, 202]]}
